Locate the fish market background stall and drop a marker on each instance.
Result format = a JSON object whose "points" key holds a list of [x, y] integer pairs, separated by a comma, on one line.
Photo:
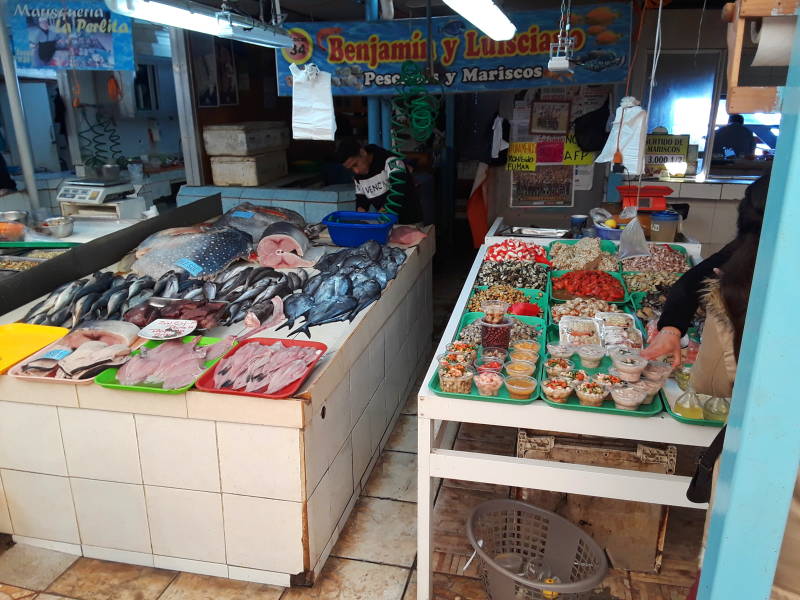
{"points": [[213, 482]]}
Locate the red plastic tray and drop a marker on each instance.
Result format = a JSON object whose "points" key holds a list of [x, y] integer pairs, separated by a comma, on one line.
{"points": [[206, 382]]}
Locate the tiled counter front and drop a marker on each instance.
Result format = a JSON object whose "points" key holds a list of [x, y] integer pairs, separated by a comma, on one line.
{"points": [[229, 486]]}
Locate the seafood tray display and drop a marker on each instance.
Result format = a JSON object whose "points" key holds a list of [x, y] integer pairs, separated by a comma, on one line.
{"points": [[580, 307], [586, 254], [663, 258], [587, 284], [18, 263], [520, 301], [650, 282], [516, 250], [166, 367], [264, 368], [516, 273]]}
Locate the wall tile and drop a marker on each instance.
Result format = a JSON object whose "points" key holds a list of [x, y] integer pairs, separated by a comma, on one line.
{"points": [[186, 524], [189, 566], [100, 445], [41, 506], [30, 439], [324, 436], [259, 460], [142, 559], [5, 519], [111, 515], [180, 453]]}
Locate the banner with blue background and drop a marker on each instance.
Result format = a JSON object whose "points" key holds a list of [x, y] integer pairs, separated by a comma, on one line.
{"points": [[83, 35], [365, 58]]}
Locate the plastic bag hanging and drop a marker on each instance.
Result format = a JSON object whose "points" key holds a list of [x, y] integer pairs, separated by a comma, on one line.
{"points": [[632, 242], [312, 104], [628, 135]]}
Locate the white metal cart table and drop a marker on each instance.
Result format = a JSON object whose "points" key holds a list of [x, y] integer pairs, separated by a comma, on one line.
{"points": [[436, 460]]}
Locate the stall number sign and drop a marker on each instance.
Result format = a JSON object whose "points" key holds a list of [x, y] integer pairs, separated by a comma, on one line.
{"points": [[661, 149]]}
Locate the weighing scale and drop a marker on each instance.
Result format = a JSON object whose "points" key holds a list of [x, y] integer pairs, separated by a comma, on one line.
{"points": [[98, 197]]}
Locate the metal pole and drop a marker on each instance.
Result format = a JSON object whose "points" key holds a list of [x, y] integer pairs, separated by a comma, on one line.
{"points": [[373, 102], [187, 112], [18, 114], [386, 122], [762, 445]]}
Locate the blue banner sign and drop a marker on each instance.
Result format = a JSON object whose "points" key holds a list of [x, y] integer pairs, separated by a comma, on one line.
{"points": [[365, 58], [82, 35]]}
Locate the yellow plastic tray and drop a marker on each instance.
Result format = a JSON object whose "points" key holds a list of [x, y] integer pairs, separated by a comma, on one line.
{"points": [[20, 340]]}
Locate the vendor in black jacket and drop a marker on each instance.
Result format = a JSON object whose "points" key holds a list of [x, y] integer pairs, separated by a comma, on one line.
{"points": [[684, 296], [375, 170]]}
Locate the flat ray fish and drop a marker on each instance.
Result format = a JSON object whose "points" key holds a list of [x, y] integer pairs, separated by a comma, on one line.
{"points": [[201, 254]]}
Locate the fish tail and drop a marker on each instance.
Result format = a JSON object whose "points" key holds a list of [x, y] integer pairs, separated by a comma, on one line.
{"points": [[302, 329]]}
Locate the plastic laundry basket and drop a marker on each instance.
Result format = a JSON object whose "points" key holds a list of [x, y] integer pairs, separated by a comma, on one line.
{"points": [[547, 543]]}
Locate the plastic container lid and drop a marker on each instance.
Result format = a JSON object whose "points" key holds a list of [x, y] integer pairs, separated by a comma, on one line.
{"points": [[665, 215]]}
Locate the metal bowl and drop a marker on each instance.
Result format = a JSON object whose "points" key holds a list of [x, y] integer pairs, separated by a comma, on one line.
{"points": [[59, 227], [17, 216]]}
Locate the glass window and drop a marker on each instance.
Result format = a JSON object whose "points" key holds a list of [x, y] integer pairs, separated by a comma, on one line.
{"points": [[766, 126]]}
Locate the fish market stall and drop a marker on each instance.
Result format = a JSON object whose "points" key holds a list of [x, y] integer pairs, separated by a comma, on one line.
{"points": [[543, 337], [238, 452]]}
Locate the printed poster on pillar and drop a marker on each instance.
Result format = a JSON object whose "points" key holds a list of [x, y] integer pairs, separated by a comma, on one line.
{"points": [[366, 58], [82, 35]]}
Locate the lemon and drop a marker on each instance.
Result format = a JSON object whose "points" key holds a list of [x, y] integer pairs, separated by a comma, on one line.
{"points": [[611, 223]]}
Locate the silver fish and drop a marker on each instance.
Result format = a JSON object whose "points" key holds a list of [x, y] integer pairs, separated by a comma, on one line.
{"points": [[116, 301]]}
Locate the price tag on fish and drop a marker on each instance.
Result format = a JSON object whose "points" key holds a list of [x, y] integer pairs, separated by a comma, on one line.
{"points": [[168, 329]]}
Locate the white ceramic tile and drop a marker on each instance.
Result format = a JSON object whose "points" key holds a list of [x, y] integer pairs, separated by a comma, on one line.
{"points": [[100, 445], [258, 576], [5, 519], [732, 191], [708, 191], [725, 216], [377, 359], [327, 431], [700, 223], [260, 460], [30, 439], [142, 559], [50, 394], [142, 403], [376, 413], [190, 566], [362, 446], [62, 547], [264, 534], [41, 506], [180, 453], [111, 515], [359, 386], [186, 524], [283, 412], [31, 567], [325, 507]]}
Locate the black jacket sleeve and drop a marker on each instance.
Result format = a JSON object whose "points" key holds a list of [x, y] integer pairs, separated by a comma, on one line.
{"points": [[362, 202], [684, 296]]}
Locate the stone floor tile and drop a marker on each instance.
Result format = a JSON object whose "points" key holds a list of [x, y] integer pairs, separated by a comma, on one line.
{"points": [[395, 477], [10, 592], [32, 568], [90, 579], [343, 579], [449, 587], [410, 407], [404, 436], [188, 586], [382, 531]]}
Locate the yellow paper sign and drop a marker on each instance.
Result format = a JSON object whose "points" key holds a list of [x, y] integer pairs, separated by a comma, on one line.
{"points": [[521, 156], [574, 155]]}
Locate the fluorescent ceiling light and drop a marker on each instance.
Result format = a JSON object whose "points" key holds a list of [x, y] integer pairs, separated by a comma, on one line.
{"points": [[486, 16], [185, 14]]}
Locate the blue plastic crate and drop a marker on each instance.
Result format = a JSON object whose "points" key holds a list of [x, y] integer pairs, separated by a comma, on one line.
{"points": [[345, 232]]}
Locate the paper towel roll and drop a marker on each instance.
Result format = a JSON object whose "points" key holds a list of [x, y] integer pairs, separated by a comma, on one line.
{"points": [[774, 38]]}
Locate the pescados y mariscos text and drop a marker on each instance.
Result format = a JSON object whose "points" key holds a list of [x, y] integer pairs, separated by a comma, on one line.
{"points": [[468, 75]]}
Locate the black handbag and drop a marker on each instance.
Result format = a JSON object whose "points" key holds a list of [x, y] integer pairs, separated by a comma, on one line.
{"points": [[700, 486], [590, 129]]}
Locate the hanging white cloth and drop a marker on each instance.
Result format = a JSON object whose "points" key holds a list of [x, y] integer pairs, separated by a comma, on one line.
{"points": [[312, 104], [628, 135]]}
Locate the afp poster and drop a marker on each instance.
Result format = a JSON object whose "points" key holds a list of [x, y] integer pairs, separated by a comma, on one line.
{"points": [[82, 35], [365, 58]]}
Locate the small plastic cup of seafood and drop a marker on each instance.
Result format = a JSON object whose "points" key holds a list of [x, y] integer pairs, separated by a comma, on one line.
{"points": [[650, 389], [556, 366], [488, 383], [469, 351], [494, 311], [488, 363], [657, 370], [523, 355], [498, 353], [627, 398], [520, 387], [557, 389], [496, 335], [629, 368], [520, 367], [526, 346], [560, 350], [591, 356], [456, 378], [591, 393]]}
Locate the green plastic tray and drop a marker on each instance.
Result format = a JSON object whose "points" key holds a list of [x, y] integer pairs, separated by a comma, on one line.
{"points": [[471, 317], [538, 297], [615, 274], [605, 246], [677, 417], [676, 247], [631, 292], [108, 378]]}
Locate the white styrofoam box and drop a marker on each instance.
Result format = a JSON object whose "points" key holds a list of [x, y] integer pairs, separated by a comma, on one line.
{"points": [[706, 191], [30, 439], [179, 453], [186, 524], [327, 431], [190, 566], [111, 515], [261, 533], [246, 139], [362, 446], [249, 171], [143, 559], [359, 386], [329, 501], [260, 460], [100, 445], [5, 519], [41, 506]]}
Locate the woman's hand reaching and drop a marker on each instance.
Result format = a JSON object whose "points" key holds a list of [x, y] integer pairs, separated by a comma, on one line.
{"points": [[667, 341]]}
